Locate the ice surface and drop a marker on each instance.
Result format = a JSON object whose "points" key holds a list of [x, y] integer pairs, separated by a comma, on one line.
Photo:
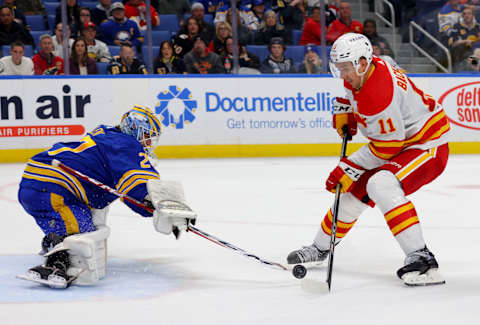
{"points": [[268, 207]]}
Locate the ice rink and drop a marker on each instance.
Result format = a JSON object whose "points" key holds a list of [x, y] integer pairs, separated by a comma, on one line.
{"points": [[268, 207]]}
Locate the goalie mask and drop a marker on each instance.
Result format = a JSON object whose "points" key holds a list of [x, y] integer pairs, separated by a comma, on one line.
{"points": [[350, 47], [143, 125]]}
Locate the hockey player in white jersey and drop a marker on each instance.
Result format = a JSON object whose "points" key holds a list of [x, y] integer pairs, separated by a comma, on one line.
{"points": [[407, 149]]}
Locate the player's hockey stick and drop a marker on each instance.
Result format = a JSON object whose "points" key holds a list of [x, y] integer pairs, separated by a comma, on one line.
{"points": [[335, 213], [190, 228]]}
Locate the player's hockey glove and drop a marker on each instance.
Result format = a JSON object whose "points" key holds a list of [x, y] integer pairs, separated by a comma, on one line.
{"points": [[343, 115], [345, 174]]}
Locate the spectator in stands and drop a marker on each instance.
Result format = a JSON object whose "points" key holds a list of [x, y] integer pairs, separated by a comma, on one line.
{"points": [[183, 42], [45, 62], [330, 9], [126, 62], [174, 7], [73, 15], [79, 62], [245, 14], [245, 59], [270, 28], [200, 60], [370, 30], [344, 24], [198, 12], [218, 45], [168, 63], [119, 30], [85, 16], [311, 64], [11, 31], [16, 63], [276, 62], [448, 16], [258, 10], [136, 10], [101, 13], [18, 15], [470, 64], [465, 35], [311, 33], [291, 13], [245, 35], [211, 6], [96, 49], [58, 40], [31, 7]]}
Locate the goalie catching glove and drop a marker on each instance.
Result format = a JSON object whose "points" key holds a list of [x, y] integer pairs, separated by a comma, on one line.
{"points": [[171, 214], [343, 117], [345, 174]]}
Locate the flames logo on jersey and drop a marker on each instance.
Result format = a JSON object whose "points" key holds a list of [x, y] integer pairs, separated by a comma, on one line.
{"points": [[176, 107]]}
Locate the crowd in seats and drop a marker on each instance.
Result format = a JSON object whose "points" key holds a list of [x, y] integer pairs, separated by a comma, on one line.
{"points": [[195, 36]]}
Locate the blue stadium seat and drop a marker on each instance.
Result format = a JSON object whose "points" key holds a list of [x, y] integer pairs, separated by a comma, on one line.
{"points": [[168, 22], [89, 4], [28, 50], [36, 22], [102, 67], [295, 52], [51, 7], [158, 36], [51, 22], [114, 50], [156, 50], [296, 34], [36, 36], [259, 50]]}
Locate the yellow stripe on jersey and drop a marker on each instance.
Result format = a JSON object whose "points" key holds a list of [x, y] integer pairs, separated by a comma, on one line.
{"points": [[419, 161], [48, 173], [134, 181], [131, 175], [71, 223]]}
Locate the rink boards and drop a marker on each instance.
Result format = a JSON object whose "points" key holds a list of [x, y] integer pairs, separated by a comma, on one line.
{"points": [[209, 116]]}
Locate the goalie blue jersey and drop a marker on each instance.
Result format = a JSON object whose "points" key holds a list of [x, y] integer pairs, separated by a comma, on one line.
{"points": [[105, 154]]}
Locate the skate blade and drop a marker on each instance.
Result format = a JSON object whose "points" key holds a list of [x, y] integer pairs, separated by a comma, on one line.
{"points": [[53, 282], [429, 278], [314, 286], [307, 265]]}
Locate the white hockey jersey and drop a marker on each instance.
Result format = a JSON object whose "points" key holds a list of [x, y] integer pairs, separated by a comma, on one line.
{"points": [[394, 115]]}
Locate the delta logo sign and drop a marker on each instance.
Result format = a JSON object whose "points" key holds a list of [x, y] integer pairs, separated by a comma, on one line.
{"points": [[176, 107], [462, 105]]}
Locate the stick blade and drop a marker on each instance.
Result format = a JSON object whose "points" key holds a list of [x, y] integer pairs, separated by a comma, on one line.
{"points": [[314, 286]]}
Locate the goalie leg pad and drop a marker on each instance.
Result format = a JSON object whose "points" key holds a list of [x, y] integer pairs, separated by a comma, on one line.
{"points": [[88, 254]]}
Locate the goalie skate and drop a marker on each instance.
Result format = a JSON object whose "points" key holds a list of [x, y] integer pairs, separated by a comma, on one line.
{"points": [[421, 269], [308, 256], [48, 276]]}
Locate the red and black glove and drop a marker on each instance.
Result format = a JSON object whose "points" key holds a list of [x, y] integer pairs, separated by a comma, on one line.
{"points": [[345, 174], [343, 116]]}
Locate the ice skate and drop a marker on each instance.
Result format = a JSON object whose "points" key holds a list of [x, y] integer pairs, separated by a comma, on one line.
{"points": [[308, 256], [421, 269], [53, 273]]}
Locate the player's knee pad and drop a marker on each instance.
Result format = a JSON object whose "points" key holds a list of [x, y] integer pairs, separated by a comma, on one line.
{"points": [[88, 255], [385, 190], [350, 208]]}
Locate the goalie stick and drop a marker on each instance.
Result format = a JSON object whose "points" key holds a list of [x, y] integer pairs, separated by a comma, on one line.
{"points": [[190, 228]]}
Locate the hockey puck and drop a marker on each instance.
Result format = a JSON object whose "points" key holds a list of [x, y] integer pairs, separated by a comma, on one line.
{"points": [[299, 271]]}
